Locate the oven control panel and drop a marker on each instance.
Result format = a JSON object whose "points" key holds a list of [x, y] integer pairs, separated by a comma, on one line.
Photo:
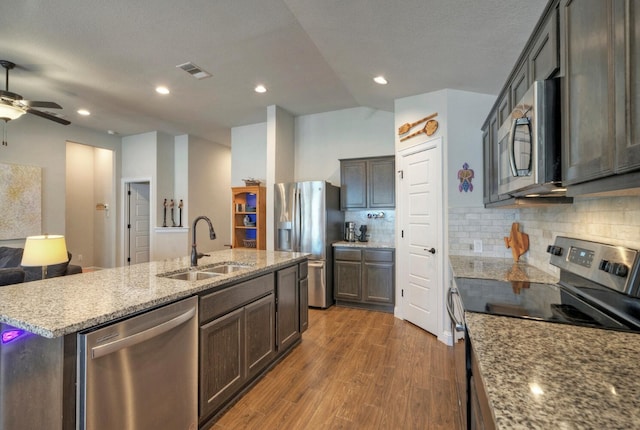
{"points": [[612, 266], [581, 256]]}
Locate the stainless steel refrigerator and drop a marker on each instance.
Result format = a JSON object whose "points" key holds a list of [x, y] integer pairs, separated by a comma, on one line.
{"points": [[308, 219]]}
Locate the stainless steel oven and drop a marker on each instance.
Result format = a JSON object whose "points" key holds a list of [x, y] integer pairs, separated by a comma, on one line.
{"points": [[461, 353], [529, 160], [599, 287]]}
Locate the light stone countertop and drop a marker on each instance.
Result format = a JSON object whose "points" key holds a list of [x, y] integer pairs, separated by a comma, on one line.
{"points": [[369, 244], [67, 304], [541, 375]]}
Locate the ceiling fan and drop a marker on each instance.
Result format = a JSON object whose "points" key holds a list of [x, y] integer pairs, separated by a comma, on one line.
{"points": [[13, 106]]}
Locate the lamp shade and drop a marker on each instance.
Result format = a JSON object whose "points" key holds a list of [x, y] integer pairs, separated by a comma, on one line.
{"points": [[44, 250], [9, 111]]}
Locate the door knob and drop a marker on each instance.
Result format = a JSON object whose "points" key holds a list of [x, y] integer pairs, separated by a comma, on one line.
{"points": [[431, 250]]}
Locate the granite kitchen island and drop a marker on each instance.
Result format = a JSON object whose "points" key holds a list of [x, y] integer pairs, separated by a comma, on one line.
{"points": [[40, 321]]}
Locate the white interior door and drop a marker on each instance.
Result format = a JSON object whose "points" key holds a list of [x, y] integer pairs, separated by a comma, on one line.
{"points": [[139, 223], [420, 242]]}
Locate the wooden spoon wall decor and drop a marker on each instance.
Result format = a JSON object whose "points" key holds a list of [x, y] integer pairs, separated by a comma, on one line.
{"points": [[404, 128], [429, 128]]}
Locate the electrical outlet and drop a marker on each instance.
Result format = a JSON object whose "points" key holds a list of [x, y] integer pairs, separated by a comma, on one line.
{"points": [[477, 245]]}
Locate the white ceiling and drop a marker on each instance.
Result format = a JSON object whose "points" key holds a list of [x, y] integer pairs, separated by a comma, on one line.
{"points": [[313, 56]]}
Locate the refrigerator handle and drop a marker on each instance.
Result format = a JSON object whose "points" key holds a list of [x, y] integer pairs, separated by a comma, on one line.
{"points": [[298, 223]]}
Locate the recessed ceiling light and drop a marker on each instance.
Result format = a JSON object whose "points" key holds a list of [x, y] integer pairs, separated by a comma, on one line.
{"points": [[162, 90], [380, 80], [84, 112], [260, 89]]}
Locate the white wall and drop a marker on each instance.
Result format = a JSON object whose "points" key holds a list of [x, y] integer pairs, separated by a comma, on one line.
{"points": [[323, 139], [210, 192], [37, 142], [248, 153]]}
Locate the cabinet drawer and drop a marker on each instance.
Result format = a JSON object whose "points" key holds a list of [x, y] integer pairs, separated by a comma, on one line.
{"points": [[347, 254], [223, 301], [382, 256]]}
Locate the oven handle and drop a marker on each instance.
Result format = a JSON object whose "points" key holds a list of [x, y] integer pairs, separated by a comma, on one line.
{"points": [[512, 144], [459, 326]]}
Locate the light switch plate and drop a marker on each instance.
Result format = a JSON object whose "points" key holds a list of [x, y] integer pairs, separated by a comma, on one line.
{"points": [[477, 245]]}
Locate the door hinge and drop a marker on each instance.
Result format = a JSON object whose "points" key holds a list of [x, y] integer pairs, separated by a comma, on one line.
{"points": [[401, 233], [128, 225], [128, 259], [129, 192], [402, 293], [401, 172]]}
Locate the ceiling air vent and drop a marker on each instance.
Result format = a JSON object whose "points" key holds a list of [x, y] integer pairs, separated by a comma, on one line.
{"points": [[194, 70]]}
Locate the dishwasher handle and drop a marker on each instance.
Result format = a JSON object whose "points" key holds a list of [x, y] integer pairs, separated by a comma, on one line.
{"points": [[134, 339], [459, 326]]}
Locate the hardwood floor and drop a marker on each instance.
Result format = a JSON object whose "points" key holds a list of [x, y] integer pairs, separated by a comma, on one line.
{"points": [[355, 369]]}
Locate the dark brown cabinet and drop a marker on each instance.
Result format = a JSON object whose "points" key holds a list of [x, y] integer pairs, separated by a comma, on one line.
{"points": [[365, 277], [540, 59], [303, 274], [588, 113], [237, 339], [601, 119], [367, 183], [287, 307]]}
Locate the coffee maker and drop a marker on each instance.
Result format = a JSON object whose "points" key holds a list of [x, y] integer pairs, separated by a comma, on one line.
{"points": [[350, 231], [363, 233]]}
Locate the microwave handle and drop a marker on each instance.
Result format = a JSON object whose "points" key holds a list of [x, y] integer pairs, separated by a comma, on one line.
{"points": [[512, 139]]}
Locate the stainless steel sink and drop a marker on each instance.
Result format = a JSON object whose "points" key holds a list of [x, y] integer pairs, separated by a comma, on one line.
{"points": [[225, 268], [191, 275], [198, 274]]}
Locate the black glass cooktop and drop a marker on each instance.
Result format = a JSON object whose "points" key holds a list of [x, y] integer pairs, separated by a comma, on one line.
{"points": [[544, 302]]}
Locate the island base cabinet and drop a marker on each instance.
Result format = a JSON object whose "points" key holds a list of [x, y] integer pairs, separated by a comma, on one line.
{"points": [[287, 307], [222, 360], [41, 365]]}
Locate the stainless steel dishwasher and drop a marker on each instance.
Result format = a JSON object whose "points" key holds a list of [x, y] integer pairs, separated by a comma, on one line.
{"points": [[141, 373]]}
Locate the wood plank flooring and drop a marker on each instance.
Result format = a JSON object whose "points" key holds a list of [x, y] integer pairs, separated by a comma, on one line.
{"points": [[355, 369]]}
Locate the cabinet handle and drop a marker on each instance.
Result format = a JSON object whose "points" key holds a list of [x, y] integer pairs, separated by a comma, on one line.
{"points": [[431, 250]]}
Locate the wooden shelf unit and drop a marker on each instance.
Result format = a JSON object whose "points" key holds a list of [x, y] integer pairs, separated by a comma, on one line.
{"points": [[252, 198]]}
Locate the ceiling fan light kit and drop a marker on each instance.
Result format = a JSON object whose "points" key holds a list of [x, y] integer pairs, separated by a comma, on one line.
{"points": [[9, 112], [12, 105]]}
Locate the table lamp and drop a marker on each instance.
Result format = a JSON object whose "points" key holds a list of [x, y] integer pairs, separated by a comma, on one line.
{"points": [[44, 251]]}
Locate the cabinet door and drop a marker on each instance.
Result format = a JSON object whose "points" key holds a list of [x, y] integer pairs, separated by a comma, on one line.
{"points": [[588, 113], [287, 308], [381, 180], [486, 164], [544, 60], [520, 83], [504, 108], [378, 282], [222, 365], [260, 343], [304, 305], [347, 280], [353, 184], [627, 64], [378, 276]]}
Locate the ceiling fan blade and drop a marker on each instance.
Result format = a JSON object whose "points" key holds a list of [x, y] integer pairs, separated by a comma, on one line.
{"points": [[48, 116], [35, 104]]}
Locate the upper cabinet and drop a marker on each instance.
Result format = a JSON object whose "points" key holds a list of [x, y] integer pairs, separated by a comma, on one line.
{"points": [[600, 100], [539, 60], [367, 183], [588, 97]]}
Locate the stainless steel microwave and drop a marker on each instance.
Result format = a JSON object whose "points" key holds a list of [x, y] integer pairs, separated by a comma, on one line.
{"points": [[529, 152]]}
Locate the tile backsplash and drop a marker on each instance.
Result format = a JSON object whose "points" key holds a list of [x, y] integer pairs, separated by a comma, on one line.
{"points": [[380, 229], [614, 220]]}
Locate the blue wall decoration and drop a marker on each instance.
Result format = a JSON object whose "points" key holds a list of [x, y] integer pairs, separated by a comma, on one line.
{"points": [[465, 175]]}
